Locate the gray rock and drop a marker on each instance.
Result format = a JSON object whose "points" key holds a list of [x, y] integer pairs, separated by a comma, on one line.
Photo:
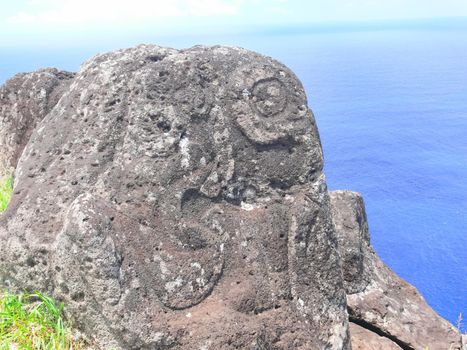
{"points": [[175, 199], [24, 100], [377, 298]]}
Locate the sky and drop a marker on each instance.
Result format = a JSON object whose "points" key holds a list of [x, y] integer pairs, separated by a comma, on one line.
{"points": [[61, 22]]}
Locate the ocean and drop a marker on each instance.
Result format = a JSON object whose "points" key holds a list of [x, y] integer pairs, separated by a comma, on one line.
{"points": [[391, 107]]}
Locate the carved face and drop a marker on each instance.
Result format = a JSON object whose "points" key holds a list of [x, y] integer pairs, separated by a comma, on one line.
{"points": [[195, 183], [233, 152], [273, 115]]}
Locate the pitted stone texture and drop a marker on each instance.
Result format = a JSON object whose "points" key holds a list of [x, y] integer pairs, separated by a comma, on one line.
{"points": [[175, 199], [377, 297], [24, 100], [349, 216]]}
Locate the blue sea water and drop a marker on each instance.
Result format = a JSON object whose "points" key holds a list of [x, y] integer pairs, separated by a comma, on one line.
{"points": [[391, 107]]}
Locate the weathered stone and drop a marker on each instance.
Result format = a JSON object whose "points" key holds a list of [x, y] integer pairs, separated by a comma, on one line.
{"points": [[25, 99], [175, 199], [377, 298]]}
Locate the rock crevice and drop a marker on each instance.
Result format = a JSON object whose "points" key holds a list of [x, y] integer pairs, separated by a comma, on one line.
{"points": [[371, 328]]}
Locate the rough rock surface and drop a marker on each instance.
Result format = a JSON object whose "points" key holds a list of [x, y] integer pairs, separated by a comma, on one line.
{"points": [[377, 298], [175, 199], [25, 100]]}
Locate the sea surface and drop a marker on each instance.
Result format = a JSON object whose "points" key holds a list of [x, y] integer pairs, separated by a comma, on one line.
{"points": [[391, 107]]}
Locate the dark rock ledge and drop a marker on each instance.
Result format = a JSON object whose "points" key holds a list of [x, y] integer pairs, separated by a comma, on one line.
{"points": [[377, 299], [176, 200]]}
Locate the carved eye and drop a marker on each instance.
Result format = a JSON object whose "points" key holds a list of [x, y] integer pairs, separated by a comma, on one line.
{"points": [[269, 97]]}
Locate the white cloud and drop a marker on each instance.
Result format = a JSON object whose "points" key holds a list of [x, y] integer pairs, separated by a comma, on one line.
{"points": [[57, 16], [72, 12]]}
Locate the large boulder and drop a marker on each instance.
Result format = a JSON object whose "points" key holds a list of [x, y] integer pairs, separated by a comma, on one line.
{"points": [[379, 301], [175, 199], [25, 100]]}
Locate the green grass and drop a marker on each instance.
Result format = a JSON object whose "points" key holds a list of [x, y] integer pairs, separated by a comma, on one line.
{"points": [[34, 322], [6, 189]]}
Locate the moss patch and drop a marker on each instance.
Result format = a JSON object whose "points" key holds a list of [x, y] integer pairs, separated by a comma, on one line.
{"points": [[6, 190]]}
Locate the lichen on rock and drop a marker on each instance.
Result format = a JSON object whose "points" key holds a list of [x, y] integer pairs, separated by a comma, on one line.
{"points": [[157, 187], [176, 199]]}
